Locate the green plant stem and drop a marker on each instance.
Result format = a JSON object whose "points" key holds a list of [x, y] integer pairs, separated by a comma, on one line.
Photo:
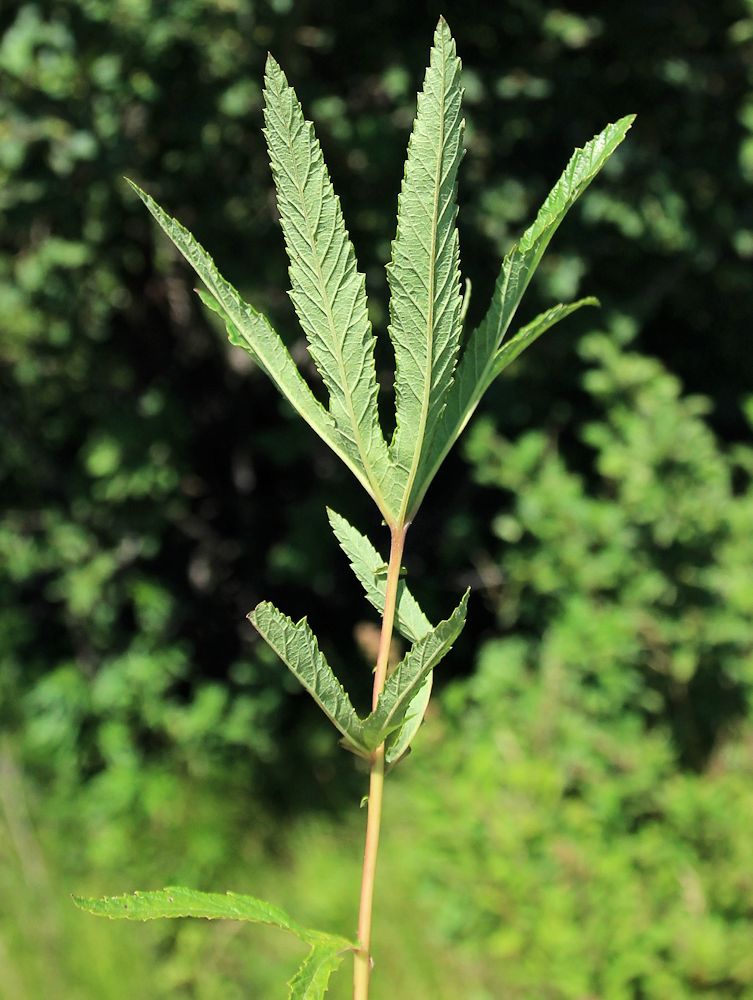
{"points": [[362, 957]]}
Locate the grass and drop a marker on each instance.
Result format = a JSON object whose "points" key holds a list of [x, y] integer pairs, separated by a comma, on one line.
{"points": [[49, 948]]}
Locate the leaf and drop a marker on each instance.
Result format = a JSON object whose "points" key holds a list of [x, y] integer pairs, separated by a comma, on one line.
{"points": [[176, 901], [474, 372], [424, 276], [264, 343], [410, 620], [327, 291], [398, 743], [312, 979], [410, 674], [297, 647], [367, 564], [233, 334], [527, 334]]}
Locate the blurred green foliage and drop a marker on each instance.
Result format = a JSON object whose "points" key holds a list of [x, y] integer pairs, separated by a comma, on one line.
{"points": [[575, 821], [584, 781], [600, 754]]}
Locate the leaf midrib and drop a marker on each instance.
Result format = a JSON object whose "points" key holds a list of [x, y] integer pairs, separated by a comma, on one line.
{"points": [[430, 318], [478, 392]]}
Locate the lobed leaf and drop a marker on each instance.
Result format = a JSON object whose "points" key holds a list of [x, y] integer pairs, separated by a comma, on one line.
{"points": [[410, 621], [398, 743], [176, 901], [297, 647], [409, 675], [263, 341], [423, 275], [328, 291], [474, 372], [233, 334], [531, 332], [370, 570], [312, 979]]}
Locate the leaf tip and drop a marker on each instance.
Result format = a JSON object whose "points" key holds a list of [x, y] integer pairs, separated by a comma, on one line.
{"points": [[273, 72], [442, 32], [254, 613], [335, 520]]}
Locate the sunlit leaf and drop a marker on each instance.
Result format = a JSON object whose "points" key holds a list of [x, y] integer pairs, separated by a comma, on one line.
{"points": [[513, 348], [176, 901], [370, 570], [312, 979], [409, 675], [328, 291], [424, 273], [398, 743], [475, 370], [296, 645], [265, 344]]}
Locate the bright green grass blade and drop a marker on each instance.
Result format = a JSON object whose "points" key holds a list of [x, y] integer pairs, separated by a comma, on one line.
{"points": [[371, 571], [424, 275], [265, 344], [473, 374], [327, 291], [409, 675], [531, 332], [312, 979], [176, 901], [296, 645]]}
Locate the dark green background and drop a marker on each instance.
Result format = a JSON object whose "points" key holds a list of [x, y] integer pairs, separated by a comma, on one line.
{"points": [[154, 488]]}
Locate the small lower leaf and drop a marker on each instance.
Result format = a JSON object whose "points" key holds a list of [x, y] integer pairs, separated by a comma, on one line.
{"points": [[296, 645], [176, 901], [233, 333], [312, 979], [367, 564], [398, 744], [409, 675]]}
